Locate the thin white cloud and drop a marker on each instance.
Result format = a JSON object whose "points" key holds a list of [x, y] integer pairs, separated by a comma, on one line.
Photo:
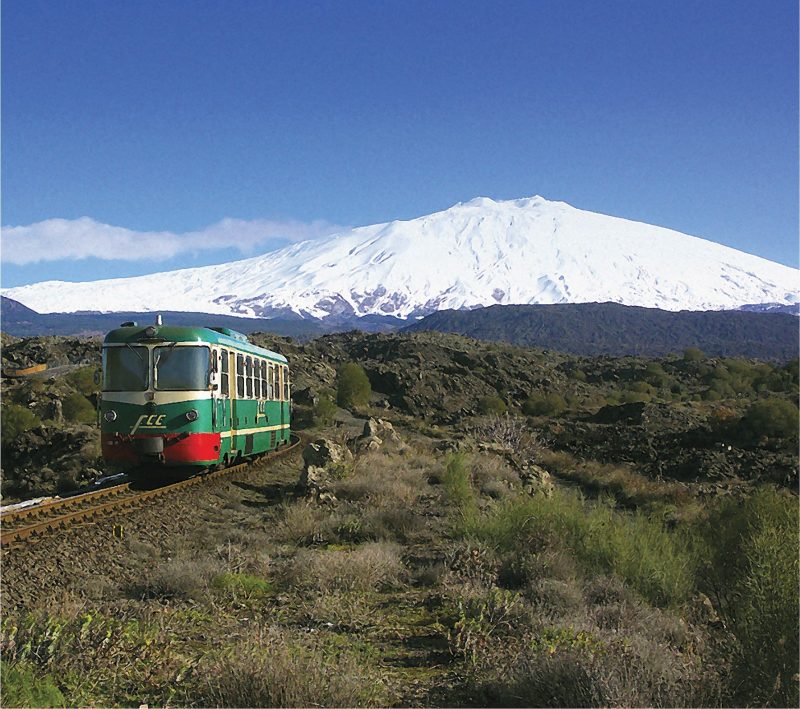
{"points": [[73, 239]]}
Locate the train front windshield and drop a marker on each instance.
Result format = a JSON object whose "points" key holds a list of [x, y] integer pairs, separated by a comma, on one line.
{"points": [[125, 368], [181, 368]]}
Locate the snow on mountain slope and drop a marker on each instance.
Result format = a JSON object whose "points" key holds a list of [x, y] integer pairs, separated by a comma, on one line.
{"points": [[474, 254]]}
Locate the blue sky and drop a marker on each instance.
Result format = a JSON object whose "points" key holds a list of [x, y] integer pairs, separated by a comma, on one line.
{"points": [[223, 129]]}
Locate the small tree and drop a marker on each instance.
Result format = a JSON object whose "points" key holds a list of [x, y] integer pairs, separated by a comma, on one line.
{"points": [[491, 405], [771, 417], [79, 409], [544, 405], [693, 354], [325, 409], [16, 419], [353, 387]]}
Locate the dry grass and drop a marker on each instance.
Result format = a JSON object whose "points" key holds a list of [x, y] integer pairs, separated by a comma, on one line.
{"points": [[340, 611], [493, 476], [625, 484], [271, 668], [304, 523], [373, 566], [381, 479], [181, 578], [393, 524]]}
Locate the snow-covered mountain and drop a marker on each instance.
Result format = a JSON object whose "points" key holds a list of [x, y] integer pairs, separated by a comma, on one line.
{"points": [[474, 254]]}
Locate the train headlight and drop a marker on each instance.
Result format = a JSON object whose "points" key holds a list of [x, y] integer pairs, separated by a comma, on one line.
{"points": [[191, 415], [110, 415]]}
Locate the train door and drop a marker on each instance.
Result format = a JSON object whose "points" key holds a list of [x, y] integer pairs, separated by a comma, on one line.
{"points": [[238, 399], [282, 397], [221, 392]]}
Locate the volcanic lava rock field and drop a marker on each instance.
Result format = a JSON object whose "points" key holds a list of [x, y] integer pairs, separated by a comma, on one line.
{"points": [[538, 530]]}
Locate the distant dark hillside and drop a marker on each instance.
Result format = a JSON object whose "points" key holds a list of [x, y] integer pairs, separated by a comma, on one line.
{"points": [[613, 329], [21, 321]]}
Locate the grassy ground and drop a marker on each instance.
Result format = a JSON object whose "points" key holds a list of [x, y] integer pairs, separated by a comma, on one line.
{"points": [[432, 580]]}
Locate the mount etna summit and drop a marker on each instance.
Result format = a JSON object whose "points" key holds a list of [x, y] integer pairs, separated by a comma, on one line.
{"points": [[475, 254]]}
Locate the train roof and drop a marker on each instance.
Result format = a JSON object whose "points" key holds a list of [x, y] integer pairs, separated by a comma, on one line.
{"points": [[150, 334]]}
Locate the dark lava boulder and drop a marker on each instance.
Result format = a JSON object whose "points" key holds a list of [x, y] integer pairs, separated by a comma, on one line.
{"points": [[48, 460]]}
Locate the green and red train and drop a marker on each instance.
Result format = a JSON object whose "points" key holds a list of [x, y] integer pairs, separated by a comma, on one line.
{"points": [[190, 397]]}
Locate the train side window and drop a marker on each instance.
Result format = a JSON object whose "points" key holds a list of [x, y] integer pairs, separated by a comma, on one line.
{"points": [[223, 377], [249, 377], [285, 383], [240, 376], [275, 391], [256, 379], [264, 380]]}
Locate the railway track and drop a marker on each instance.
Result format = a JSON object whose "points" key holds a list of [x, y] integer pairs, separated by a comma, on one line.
{"points": [[25, 525]]}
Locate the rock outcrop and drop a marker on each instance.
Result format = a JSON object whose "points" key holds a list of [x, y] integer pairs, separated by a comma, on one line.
{"points": [[376, 433], [323, 461]]}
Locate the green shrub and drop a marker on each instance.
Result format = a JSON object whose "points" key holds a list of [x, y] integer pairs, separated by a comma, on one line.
{"points": [[83, 380], [16, 419], [693, 354], [353, 387], [242, 584], [21, 687], [491, 405], [78, 408], [325, 409], [457, 480], [655, 375], [640, 550], [544, 405], [770, 418], [750, 569], [634, 397]]}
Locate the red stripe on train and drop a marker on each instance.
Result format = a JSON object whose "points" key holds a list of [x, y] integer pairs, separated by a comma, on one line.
{"points": [[178, 448]]}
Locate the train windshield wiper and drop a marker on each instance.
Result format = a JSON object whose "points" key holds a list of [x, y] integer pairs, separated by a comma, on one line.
{"points": [[133, 349], [160, 354]]}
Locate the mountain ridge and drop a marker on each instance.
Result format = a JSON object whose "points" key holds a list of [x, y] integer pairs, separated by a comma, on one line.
{"points": [[595, 329], [588, 329], [474, 254]]}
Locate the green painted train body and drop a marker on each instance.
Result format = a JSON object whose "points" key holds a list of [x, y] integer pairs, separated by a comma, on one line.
{"points": [[190, 396]]}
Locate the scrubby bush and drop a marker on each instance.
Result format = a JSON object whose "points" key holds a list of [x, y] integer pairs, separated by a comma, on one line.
{"points": [[16, 419], [325, 409], [634, 397], [655, 375], [78, 408], [303, 523], [184, 577], [352, 386], [544, 405], [83, 380], [750, 569], [242, 585], [770, 418], [641, 387], [81, 648], [491, 405], [568, 667], [373, 566], [276, 669], [456, 480], [640, 550], [693, 354], [21, 687]]}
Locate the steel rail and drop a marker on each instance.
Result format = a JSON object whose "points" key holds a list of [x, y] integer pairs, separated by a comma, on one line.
{"points": [[122, 497]]}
